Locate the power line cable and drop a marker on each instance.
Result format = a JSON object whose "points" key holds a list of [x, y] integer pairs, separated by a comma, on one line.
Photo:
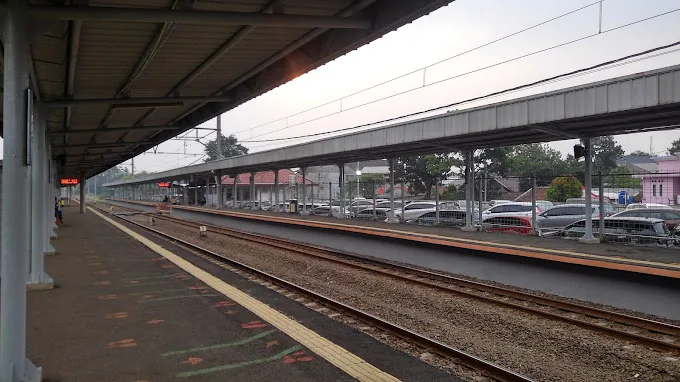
{"points": [[426, 67], [464, 74]]}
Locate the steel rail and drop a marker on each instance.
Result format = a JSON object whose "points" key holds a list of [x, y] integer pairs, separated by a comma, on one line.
{"points": [[431, 278], [487, 368]]}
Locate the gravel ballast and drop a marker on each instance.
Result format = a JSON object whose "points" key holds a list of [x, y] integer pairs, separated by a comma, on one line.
{"points": [[540, 348]]}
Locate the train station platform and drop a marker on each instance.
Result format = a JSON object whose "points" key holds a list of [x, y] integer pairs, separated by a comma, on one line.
{"points": [[648, 260], [129, 307]]}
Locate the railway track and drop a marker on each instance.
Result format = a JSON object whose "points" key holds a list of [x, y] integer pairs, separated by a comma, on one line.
{"points": [[653, 334], [485, 367]]}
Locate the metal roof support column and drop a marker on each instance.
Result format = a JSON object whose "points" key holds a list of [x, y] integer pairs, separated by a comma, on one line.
{"points": [[341, 180], [469, 190], [83, 202], [38, 279], [218, 189], [588, 238], [393, 163], [51, 222], [234, 194], [16, 210], [252, 191], [304, 189], [276, 187]]}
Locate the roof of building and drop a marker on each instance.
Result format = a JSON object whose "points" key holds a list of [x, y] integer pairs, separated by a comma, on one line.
{"points": [[638, 163], [266, 178]]}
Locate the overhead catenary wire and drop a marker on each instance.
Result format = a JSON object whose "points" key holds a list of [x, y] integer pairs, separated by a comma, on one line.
{"points": [[516, 88], [252, 140], [478, 47]]}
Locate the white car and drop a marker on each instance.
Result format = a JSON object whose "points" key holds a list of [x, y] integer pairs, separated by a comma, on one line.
{"points": [[415, 209], [635, 206], [510, 209]]}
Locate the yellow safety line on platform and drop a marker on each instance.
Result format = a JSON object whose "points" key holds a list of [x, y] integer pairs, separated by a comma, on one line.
{"points": [[335, 354]]}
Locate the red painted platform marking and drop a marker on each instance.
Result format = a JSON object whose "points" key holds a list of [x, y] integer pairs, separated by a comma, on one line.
{"points": [[127, 343], [224, 303], [102, 283], [107, 297], [253, 325], [272, 343], [93, 264], [153, 322], [117, 315], [167, 266], [197, 287], [296, 357], [193, 360], [101, 273]]}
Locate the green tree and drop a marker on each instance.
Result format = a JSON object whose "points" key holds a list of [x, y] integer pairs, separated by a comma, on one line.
{"points": [[230, 148], [605, 153], [620, 177], [369, 184], [423, 172], [536, 159], [563, 188], [675, 147]]}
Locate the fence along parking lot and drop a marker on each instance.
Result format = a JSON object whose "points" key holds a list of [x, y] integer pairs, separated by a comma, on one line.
{"points": [[510, 204]]}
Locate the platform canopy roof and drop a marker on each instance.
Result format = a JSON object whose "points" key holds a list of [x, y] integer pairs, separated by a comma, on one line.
{"points": [[116, 77]]}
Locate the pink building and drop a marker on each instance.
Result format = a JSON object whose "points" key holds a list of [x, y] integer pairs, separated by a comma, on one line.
{"points": [[664, 186]]}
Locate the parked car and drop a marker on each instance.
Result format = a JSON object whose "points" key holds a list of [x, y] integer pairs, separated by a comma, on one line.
{"points": [[635, 206], [360, 204], [497, 202], [624, 229], [388, 204], [323, 211], [381, 214], [510, 209], [415, 209], [512, 224], [671, 217], [565, 214], [544, 204], [447, 218]]}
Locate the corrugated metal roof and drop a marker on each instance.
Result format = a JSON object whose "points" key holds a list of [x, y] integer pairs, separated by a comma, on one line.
{"points": [[122, 59]]}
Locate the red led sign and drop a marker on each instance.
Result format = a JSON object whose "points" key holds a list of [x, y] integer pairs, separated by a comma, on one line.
{"points": [[164, 184], [69, 181]]}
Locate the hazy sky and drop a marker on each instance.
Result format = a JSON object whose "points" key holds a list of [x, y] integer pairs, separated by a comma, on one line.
{"points": [[451, 30]]}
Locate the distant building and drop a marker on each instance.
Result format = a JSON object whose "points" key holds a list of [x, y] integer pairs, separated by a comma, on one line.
{"points": [[663, 186], [290, 184], [638, 164]]}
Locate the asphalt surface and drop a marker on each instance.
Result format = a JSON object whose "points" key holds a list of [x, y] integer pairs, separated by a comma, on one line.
{"points": [[644, 293], [120, 312]]}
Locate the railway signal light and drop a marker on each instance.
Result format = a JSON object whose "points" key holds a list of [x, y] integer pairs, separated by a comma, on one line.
{"points": [[579, 151]]}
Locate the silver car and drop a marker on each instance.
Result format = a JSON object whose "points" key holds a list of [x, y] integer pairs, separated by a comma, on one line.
{"points": [[565, 214]]}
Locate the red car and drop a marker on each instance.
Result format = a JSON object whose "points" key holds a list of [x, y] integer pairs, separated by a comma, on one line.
{"points": [[513, 224]]}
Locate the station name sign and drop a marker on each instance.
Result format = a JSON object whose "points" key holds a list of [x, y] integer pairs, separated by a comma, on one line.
{"points": [[164, 184], [68, 181]]}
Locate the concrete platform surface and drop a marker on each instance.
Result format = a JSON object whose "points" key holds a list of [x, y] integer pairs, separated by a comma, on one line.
{"points": [[122, 312]]}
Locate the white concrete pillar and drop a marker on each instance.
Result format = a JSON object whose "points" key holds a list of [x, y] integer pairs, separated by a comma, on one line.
{"points": [[37, 278], [16, 207], [469, 190], [588, 237]]}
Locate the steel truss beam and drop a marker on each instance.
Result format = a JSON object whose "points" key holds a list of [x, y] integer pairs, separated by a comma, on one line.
{"points": [[112, 130], [142, 15], [140, 102]]}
